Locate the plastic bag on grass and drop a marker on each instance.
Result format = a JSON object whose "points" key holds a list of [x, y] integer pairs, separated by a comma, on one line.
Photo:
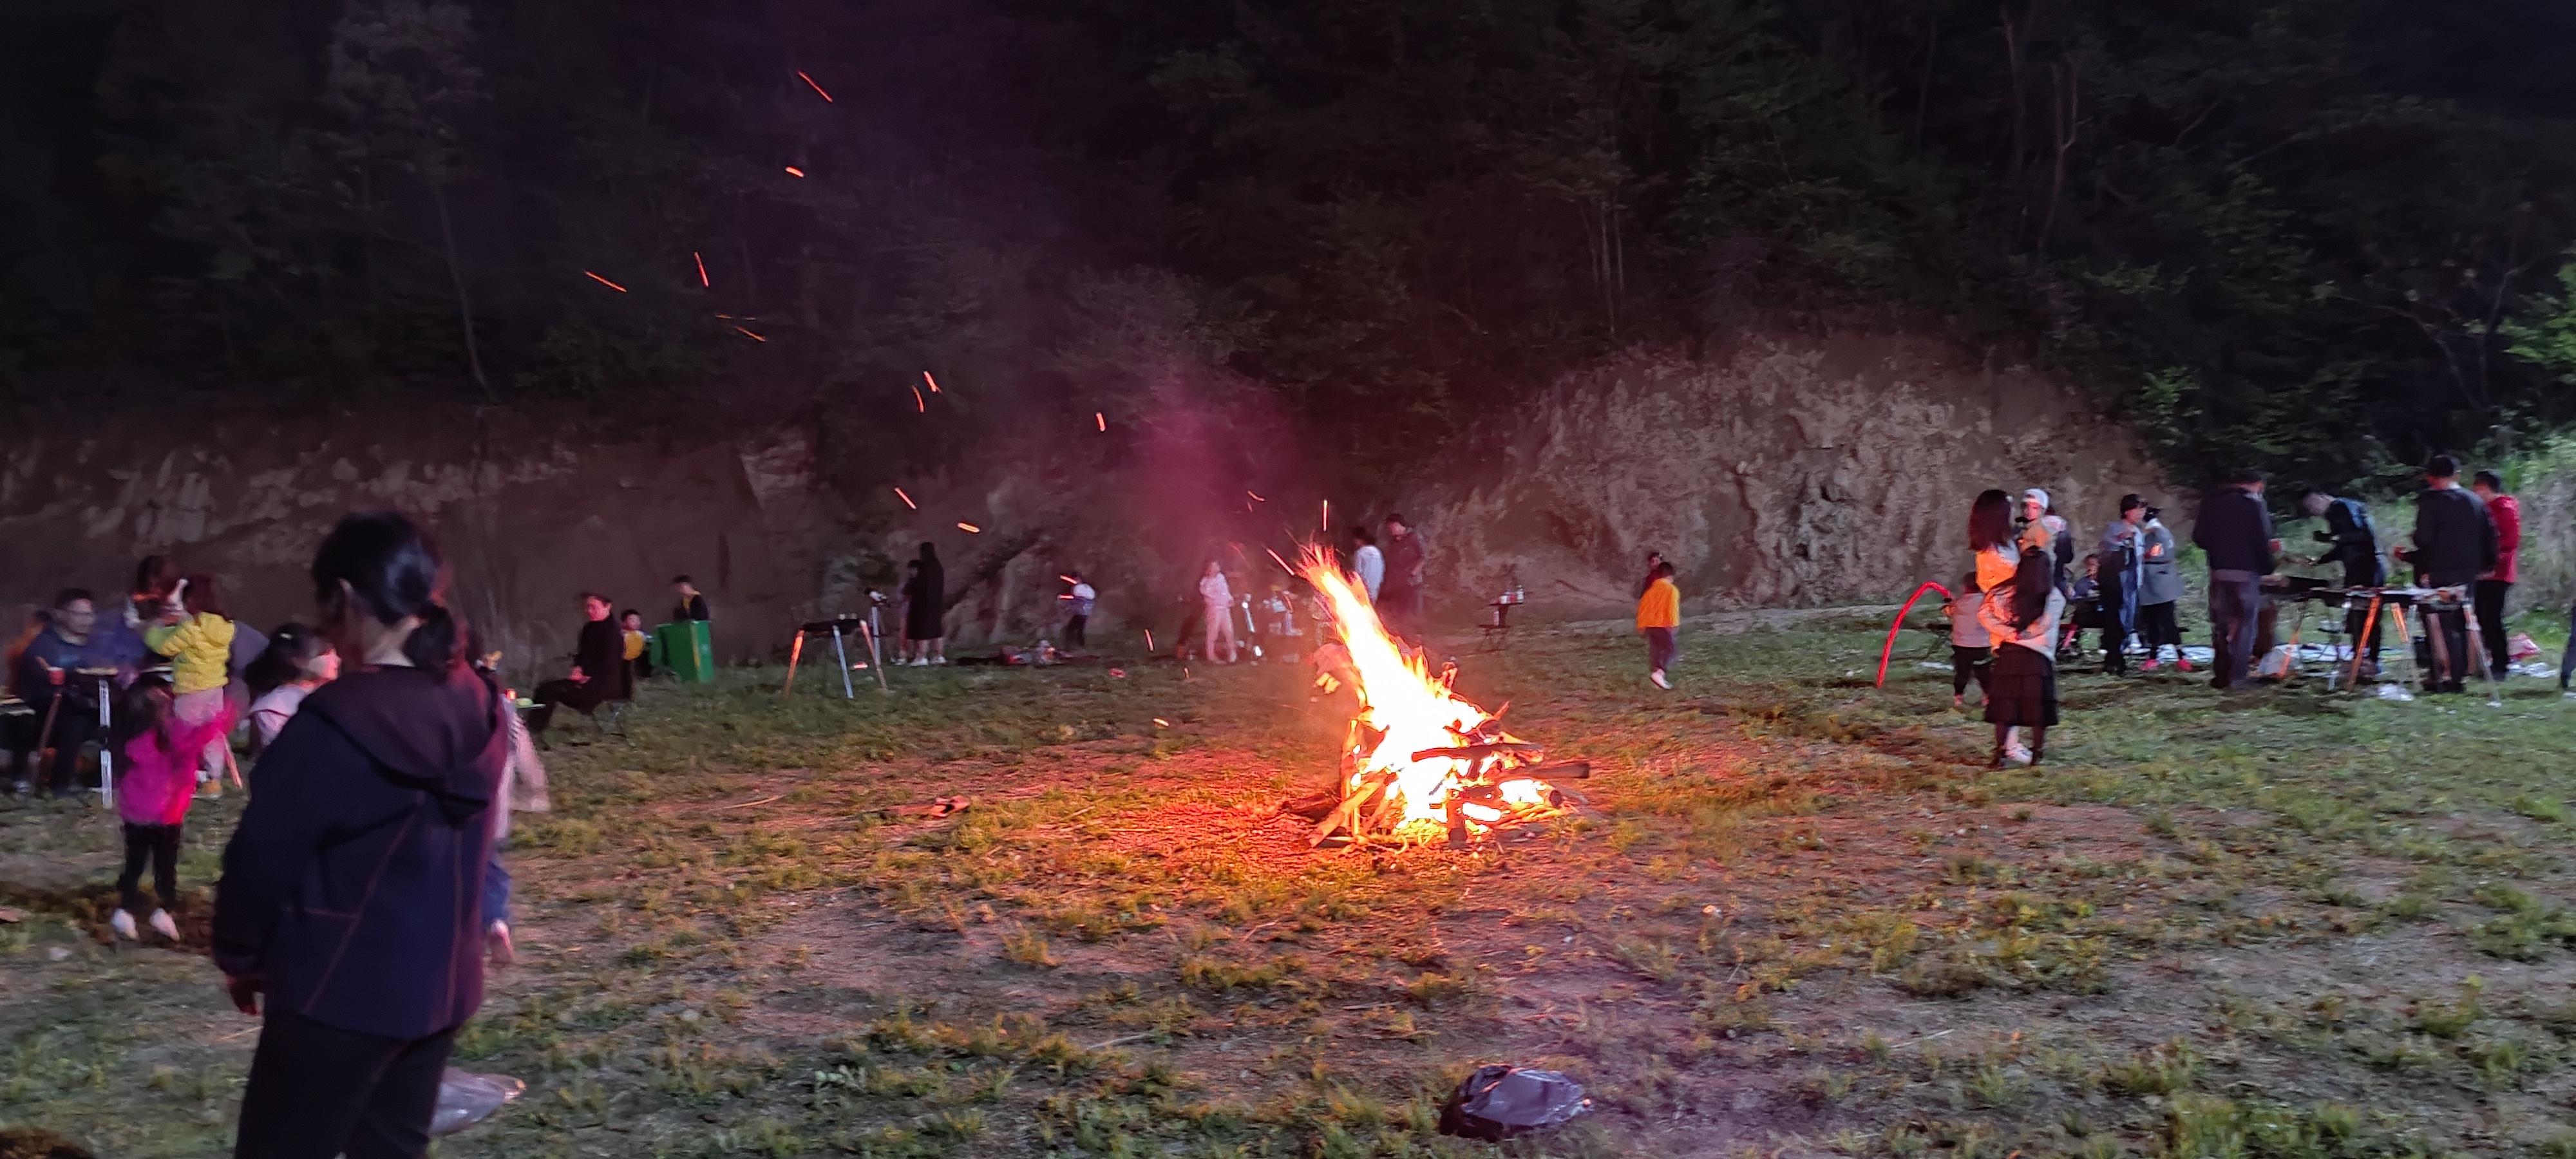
{"points": [[466, 1099], [1498, 1102]]}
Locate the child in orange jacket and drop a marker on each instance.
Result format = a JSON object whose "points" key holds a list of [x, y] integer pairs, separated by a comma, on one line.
{"points": [[1659, 615]]}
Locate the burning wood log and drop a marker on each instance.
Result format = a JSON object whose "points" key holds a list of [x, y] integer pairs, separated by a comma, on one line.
{"points": [[1475, 752]]}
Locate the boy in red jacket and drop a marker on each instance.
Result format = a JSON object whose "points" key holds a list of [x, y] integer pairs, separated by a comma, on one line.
{"points": [[2492, 587], [161, 758]]}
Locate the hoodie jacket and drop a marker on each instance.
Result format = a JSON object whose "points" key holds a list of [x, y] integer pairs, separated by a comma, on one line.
{"points": [[1661, 606], [353, 885], [160, 780], [200, 649]]}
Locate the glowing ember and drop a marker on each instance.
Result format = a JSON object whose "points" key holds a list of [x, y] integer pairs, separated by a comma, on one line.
{"points": [[1256, 496], [934, 383], [968, 528], [919, 403], [1423, 762], [750, 335], [907, 499], [1101, 419], [603, 281], [1328, 515], [702, 271], [793, 171], [1149, 640], [809, 83]]}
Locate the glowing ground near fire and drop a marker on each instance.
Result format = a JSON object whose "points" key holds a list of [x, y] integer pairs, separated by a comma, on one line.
{"points": [[1794, 919]]}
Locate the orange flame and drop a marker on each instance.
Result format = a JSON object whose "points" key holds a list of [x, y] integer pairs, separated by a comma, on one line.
{"points": [[1414, 710]]}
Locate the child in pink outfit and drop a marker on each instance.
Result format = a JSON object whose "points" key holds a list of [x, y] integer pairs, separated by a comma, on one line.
{"points": [[161, 757]]}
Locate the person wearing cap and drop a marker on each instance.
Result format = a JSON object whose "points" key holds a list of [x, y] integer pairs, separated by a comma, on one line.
{"points": [[2044, 530]]}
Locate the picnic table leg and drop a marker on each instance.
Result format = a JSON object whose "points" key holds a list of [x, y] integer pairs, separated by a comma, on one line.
{"points": [[876, 656], [843, 655], [2406, 641], [106, 748], [795, 652]]}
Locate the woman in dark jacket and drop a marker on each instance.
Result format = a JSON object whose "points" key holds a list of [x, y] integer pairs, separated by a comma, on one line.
{"points": [[926, 610], [352, 889]]}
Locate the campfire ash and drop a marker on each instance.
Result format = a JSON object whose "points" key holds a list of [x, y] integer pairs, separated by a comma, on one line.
{"points": [[1422, 764]]}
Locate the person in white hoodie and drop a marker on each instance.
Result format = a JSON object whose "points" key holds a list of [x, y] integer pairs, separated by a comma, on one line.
{"points": [[1217, 600], [1368, 561], [2021, 618]]}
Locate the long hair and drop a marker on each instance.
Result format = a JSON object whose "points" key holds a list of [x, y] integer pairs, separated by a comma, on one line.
{"points": [[1990, 522], [143, 709], [289, 658], [2032, 583], [392, 570], [204, 596]]}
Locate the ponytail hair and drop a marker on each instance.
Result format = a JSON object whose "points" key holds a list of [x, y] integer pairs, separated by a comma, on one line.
{"points": [[289, 658], [392, 570]]}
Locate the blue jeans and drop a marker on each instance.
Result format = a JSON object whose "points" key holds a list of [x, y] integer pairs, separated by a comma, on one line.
{"points": [[2235, 598]]}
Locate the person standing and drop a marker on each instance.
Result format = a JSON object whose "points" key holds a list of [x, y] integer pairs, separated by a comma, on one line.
{"points": [[1972, 651], [2352, 542], [1659, 618], [298, 660], [1400, 606], [2497, 582], [2236, 531], [2021, 618], [1216, 607], [349, 913], [691, 603], [1654, 559], [1079, 602], [2159, 590], [925, 612], [159, 778], [2455, 543], [198, 639], [598, 665], [2044, 530], [2120, 582], [47, 677], [1990, 536], [1368, 561]]}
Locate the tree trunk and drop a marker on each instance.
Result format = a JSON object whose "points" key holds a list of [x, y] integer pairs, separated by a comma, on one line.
{"points": [[2065, 115], [456, 278]]}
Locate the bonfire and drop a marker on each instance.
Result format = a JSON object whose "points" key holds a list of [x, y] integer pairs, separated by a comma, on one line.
{"points": [[1421, 763]]}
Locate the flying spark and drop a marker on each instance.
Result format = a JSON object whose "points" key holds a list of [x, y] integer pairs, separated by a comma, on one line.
{"points": [[1256, 497], [968, 528], [750, 335], [818, 89], [907, 499], [1149, 639], [1100, 420], [793, 171], [934, 383], [604, 281], [702, 271], [919, 403], [1283, 564], [1159, 722], [1068, 579], [1328, 515]]}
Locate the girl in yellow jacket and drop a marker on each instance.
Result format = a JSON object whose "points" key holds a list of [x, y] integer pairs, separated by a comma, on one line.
{"points": [[199, 643], [1659, 615]]}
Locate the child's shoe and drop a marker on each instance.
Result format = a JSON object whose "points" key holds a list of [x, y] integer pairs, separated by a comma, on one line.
{"points": [[1657, 676], [2151, 665], [123, 923], [2185, 665], [161, 924]]}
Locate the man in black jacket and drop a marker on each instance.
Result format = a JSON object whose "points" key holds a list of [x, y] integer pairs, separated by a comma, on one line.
{"points": [[2354, 543], [599, 655], [2455, 542], [2236, 531]]}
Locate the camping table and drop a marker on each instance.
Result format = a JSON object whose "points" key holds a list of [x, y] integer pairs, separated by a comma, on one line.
{"points": [[1497, 628], [840, 630]]}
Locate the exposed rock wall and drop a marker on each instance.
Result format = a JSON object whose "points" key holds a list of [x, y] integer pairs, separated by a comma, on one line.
{"points": [[1791, 471]]}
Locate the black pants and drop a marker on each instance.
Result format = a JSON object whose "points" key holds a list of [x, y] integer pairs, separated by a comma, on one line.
{"points": [[317, 1091], [160, 845], [2489, 597], [74, 726], [2569, 659], [2115, 630], [1074, 631], [577, 696], [1968, 664], [2158, 627]]}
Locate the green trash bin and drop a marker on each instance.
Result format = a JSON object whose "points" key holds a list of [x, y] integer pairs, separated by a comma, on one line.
{"points": [[688, 651]]}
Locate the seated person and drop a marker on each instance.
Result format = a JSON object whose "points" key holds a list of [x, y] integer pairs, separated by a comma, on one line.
{"points": [[598, 662], [630, 628], [2086, 604], [47, 677]]}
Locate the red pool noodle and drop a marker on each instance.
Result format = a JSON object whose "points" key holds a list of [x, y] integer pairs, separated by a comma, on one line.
{"points": [[1899, 625]]}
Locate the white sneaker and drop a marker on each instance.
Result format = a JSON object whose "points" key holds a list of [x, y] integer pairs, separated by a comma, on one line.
{"points": [[123, 923], [2016, 754], [1657, 676], [940, 660], [161, 924], [918, 663]]}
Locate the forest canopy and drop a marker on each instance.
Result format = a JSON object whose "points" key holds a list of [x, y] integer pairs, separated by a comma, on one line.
{"points": [[2317, 236]]}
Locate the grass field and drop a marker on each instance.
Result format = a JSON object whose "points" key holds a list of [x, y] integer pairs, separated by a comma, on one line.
{"points": [[1803, 919]]}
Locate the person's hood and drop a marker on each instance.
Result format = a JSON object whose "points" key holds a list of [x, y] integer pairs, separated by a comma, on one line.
{"points": [[440, 734], [2036, 495]]}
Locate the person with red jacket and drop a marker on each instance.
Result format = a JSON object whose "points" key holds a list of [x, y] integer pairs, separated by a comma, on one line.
{"points": [[2493, 586], [161, 754]]}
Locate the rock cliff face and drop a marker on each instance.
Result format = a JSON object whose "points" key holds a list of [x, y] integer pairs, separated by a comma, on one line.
{"points": [[1794, 470]]}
